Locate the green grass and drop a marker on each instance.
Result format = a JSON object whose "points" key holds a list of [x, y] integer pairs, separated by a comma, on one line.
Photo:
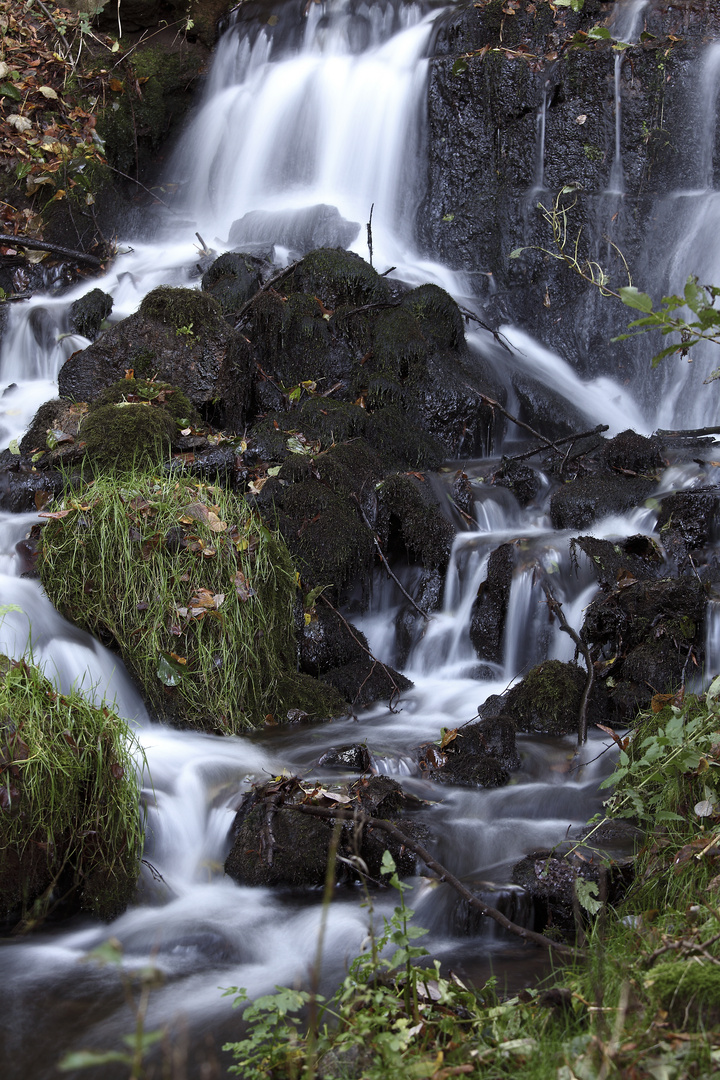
{"points": [[192, 588], [70, 820]]}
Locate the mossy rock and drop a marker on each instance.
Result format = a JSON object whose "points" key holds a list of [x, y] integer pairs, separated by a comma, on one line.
{"points": [[438, 315], [232, 280], [161, 395], [70, 829], [547, 701], [411, 523], [123, 437], [303, 694], [186, 310], [338, 278], [688, 990], [88, 313], [189, 586]]}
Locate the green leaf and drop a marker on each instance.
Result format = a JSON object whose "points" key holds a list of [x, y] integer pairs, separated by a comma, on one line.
{"points": [[86, 1059], [516, 253], [635, 299], [668, 352], [694, 296], [8, 90], [459, 67], [587, 894], [387, 866], [599, 33], [13, 447]]}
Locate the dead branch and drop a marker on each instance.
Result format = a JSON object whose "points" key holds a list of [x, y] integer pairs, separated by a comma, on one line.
{"points": [[442, 872], [263, 288], [556, 609], [364, 648], [558, 442], [467, 314], [54, 249], [386, 564], [689, 433], [549, 444]]}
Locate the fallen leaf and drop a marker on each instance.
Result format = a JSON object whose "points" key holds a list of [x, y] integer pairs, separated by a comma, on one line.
{"points": [[48, 92], [243, 587]]}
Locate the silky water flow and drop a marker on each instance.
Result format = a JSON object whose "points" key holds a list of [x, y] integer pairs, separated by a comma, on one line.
{"points": [[257, 144]]}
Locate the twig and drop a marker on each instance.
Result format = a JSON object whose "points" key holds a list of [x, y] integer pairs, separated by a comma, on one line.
{"points": [[558, 442], [495, 333], [263, 288], [134, 180], [442, 872], [369, 234], [364, 648], [54, 249], [690, 433], [513, 419], [557, 610], [386, 564], [58, 31]]}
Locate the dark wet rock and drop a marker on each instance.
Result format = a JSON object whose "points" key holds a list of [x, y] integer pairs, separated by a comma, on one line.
{"points": [[409, 623], [547, 701], [549, 878], [641, 637], [688, 521], [489, 610], [352, 758], [483, 754], [88, 313], [410, 523], [584, 500], [328, 641], [363, 681], [274, 846], [300, 230], [341, 279], [55, 418], [178, 336], [545, 410], [620, 562], [217, 465], [22, 490], [631, 453], [523, 481], [233, 279], [463, 494]]}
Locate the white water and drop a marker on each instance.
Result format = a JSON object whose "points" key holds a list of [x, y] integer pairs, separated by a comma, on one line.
{"points": [[625, 28], [323, 124]]}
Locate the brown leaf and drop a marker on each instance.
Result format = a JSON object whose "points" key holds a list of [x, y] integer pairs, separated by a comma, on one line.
{"points": [[117, 771], [243, 587]]}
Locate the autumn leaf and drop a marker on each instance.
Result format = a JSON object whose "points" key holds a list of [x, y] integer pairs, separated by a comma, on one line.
{"points": [[243, 587]]}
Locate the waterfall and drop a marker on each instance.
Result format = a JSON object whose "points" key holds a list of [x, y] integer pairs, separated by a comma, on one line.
{"points": [[325, 113], [625, 23]]}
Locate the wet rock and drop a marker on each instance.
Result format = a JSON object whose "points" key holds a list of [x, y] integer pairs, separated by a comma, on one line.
{"points": [[232, 280], [463, 494], [218, 465], [410, 522], [547, 701], [178, 336], [550, 880], [545, 410], [88, 313], [353, 758], [300, 230], [409, 623], [280, 846], [688, 521], [483, 754], [328, 641], [489, 610], [584, 500], [641, 638], [523, 481], [363, 681], [631, 453], [623, 561], [22, 490]]}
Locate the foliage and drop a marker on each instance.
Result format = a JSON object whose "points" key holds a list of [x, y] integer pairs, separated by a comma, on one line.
{"points": [[69, 797], [137, 985], [699, 299], [195, 591]]}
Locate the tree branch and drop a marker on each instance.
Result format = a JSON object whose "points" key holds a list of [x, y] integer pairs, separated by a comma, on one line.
{"points": [[54, 249], [557, 610]]}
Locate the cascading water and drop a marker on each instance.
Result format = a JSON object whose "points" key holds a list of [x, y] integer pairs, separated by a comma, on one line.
{"points": [[625, 31], [327, 115]]}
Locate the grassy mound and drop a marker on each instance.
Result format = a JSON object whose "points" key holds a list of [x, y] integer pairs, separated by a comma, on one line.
{"points": [[195, 592], [70, 827]]}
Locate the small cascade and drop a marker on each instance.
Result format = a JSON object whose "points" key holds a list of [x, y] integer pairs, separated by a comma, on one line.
{"points": [[624, 29], [540, 121], [709, 87]]}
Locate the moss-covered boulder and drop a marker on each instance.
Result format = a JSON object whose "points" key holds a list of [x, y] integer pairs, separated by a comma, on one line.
{"points": [[179, 337], [547, 701], [192, 589], [687, 990], [127, 436], [411, 523], [70, 823]]}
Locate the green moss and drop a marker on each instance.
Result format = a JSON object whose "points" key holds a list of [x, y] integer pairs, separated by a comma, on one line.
{"points": [[70, 828], [338, 277], [185, 309], [410, 517], [308, 695], [400, 443], [195, 592], [439, 316], [548, 699], [688, 990], [123, 437], [159, 395]]}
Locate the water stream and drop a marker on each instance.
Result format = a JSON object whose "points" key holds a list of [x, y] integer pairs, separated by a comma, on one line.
{"points": [[278, 130]]}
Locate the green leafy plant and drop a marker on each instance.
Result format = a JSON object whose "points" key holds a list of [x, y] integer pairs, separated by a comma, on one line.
{"points": [[668, 319]]}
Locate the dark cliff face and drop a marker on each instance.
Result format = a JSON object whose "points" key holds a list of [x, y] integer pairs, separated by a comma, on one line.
{"points": [[484, 174]]}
